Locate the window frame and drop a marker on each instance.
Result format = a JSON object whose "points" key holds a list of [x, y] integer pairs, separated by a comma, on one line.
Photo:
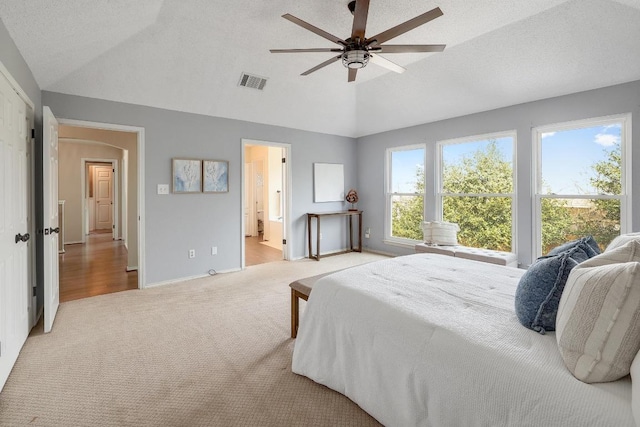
{"points": [[440, 194], [625, 176], [389, 193]]}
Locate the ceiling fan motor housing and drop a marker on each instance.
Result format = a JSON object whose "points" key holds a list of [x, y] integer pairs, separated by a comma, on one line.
{"points": [[357, 58]]}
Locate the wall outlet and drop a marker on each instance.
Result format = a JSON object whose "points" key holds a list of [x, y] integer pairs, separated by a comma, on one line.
{"points": [[367, 233], [320, 236], [192, 253], [214, 250], [163, 189]]}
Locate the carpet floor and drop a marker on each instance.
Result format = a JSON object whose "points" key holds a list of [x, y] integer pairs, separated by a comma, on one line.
{"points": [[208, 352]]}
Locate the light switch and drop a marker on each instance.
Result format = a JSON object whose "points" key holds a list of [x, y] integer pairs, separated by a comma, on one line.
{"points": [[163, 188]]}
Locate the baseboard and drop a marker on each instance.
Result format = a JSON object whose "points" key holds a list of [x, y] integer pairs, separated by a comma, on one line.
{"points": [[186, 279], [78, 242], [134, 268], [389, 254]]}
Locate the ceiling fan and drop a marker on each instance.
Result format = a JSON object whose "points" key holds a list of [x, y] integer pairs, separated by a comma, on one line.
{"points": [[357, 50]]}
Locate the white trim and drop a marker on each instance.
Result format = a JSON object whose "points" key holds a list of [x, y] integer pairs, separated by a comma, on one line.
{"points": [[140, 132], [16, 86], [286, 225], [626, 151], [189, 278], [131, 268], [513, 134], [116, 194], [387, 238]]}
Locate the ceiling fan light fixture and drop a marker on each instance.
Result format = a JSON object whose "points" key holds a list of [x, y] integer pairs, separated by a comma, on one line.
{"points": [[356, 58]]}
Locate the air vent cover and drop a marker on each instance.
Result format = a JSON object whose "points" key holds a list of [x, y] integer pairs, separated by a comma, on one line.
{"points": [[254, 82]]}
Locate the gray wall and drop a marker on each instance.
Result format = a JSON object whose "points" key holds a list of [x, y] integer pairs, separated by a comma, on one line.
{"points": [[618, 99], [13, 61], [179, 222]]}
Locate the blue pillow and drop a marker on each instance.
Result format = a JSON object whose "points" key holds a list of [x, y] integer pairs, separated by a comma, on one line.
{"points": [[540, 288], [588, 244]]}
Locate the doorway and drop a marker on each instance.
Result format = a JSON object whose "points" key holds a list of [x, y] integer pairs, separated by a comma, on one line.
{"points": [[100, 188], [265, 202]]}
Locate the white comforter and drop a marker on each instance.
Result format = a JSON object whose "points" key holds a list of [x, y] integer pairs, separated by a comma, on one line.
{"points": [[432, 340]]}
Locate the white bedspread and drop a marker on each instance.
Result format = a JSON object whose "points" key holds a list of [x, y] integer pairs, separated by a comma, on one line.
{"points": [[432, 340]]}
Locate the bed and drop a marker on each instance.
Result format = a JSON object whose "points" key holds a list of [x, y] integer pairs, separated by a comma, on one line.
{"points": [[430, 340]]}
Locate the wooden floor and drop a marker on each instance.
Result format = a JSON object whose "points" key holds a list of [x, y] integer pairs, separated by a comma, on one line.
{"points": [[95, 268], [256, 253]]}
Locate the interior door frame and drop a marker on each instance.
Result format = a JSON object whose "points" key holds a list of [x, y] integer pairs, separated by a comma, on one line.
{"points": [[86, 161], [288, 185], [140, 133]]}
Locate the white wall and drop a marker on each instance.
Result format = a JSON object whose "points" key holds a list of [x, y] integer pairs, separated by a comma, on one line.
{"points": [[523, 118]]}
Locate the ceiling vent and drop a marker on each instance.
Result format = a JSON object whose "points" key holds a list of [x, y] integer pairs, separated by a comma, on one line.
{"points": [[254, 82]]}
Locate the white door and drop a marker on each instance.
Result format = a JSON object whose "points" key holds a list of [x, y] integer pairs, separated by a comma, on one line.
{"points": [[50, 214], [103, 180], [14, 227]]}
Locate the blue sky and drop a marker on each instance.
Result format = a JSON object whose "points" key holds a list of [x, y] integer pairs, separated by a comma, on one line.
{"points": [[567, 157]]}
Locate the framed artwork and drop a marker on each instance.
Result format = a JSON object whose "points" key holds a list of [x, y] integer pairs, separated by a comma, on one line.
{"points": [[187, 176], [328, 182], [215, 176]]}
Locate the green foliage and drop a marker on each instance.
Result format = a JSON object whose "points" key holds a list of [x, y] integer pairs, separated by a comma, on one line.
{"points": [[485, 222], [407, 212]]}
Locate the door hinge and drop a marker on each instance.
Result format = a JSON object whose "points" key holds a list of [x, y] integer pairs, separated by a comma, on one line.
{"points": [[284, 241], [113, 170], [284, 160], [34, 291], [113, 226], [33, 133]]}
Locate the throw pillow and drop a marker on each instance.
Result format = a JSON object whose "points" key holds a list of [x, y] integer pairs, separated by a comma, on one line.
{"points": [[598, 324], [587, 243], [622, 239], [540, 288]]}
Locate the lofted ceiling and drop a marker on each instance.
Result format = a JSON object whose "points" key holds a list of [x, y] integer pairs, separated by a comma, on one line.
{"points": [[188, 55]]}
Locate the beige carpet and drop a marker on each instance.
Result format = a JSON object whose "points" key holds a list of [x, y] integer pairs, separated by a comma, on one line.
{"points": [[208, 352]]}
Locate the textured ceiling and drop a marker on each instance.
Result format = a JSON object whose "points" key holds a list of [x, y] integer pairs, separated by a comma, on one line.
{"points": [[188, 55]]}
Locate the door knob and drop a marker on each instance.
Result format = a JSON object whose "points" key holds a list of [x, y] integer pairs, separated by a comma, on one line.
{"points": [[22, 237], [54, 230]]}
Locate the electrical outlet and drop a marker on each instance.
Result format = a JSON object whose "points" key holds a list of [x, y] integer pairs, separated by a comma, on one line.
{"points": [[192, 253], [214, 250], [367, 233], [320, 236], [163, 189]]}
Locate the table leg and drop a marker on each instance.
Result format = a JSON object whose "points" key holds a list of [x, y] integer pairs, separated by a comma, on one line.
{"points": [[309, 234], [351, 233], [318, 238], [360, 232]]}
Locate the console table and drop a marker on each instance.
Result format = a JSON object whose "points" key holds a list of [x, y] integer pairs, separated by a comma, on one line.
{"points": [[318, 216]]}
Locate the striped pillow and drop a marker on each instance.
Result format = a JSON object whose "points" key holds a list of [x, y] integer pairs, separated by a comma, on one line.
{"points": [[598, 322]]}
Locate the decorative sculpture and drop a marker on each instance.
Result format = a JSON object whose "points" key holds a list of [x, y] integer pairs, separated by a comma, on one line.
{"points": [[352, 197]]}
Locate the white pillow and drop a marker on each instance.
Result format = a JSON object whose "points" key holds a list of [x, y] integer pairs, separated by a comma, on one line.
{"points": [[622, 239], [635, 389], [598, 322]]}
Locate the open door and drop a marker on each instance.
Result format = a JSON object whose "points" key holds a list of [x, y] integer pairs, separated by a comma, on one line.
{"points": [[50, 214]]}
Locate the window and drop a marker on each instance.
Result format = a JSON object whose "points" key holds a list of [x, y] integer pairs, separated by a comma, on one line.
{"points": [[476, 189], [581, 181], [405, 193]]}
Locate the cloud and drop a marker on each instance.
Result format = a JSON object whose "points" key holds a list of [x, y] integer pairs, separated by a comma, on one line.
{"points": [[612, 126], [546, 134], [607, 140]]}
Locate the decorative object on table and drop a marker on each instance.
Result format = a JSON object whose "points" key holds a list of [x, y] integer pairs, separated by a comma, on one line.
{"points": [[215, 176], [187, 176], [352, 197], [440, 233]]}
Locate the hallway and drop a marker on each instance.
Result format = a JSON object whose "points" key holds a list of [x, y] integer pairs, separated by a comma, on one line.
{"points": [[95, 268]]}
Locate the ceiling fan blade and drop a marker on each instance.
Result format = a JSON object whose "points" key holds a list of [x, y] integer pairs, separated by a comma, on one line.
{"points": [[405, 26], [321, 49], [352, 74], [360, 19], [324, 64], [384, 62], [314, 29], [409, 48]]}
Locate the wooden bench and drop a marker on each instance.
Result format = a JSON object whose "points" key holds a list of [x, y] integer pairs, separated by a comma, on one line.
{"points": [[301, 289]]}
